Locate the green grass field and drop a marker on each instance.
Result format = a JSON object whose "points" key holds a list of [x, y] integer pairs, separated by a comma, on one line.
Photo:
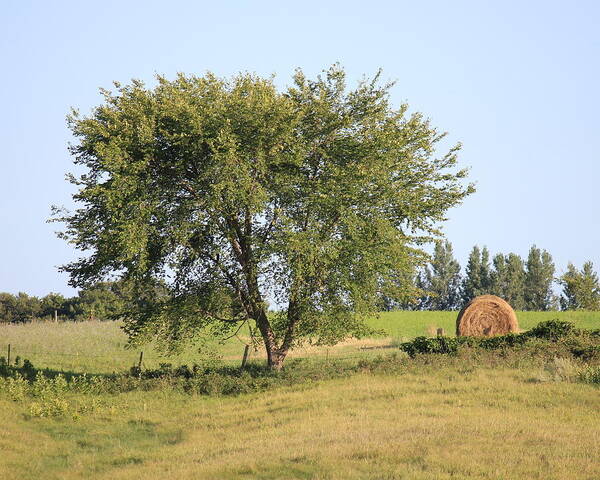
{"points": [[99, 347], [486, 417]]}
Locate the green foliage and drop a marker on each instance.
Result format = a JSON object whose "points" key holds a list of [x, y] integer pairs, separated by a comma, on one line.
{"points": [[508, 279], [103, 301], [228, 192], [502, 341], [499, 277], [525, 286], [53, 303], [538, 280], [581, 288], [588, 353], [552, 330], [48, 396], [515, 281], [19, 308], [591, 374], [441, 281], [477, 279], [426, 345]]}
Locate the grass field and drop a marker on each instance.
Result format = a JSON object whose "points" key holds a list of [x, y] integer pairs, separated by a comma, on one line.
{"points": [[99, 347], [436, 417], [430, 422]]}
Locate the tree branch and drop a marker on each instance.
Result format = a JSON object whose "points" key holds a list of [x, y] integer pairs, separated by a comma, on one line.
{"points": [[237, 330]]}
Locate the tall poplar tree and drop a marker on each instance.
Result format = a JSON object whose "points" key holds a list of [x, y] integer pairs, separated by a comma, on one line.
{"points": [[508, 279], [477, 280], [515, 281], [499, 276], [538, 280], [485, 275], [441, 280]]}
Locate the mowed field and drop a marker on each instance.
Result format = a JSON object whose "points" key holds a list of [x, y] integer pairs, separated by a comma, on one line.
{"points": [[430, 418]]}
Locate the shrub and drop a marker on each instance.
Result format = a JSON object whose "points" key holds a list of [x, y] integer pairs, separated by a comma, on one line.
{"points": [[552, 330], [16, 387], [587, 353], [568, 339], [50, 407], [4, 368], [590, 375], [502, 341], [422, 345]]}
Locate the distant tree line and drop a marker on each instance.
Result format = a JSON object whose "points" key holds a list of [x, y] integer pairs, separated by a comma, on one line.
{"points": [[103, 301], [525, 284]]}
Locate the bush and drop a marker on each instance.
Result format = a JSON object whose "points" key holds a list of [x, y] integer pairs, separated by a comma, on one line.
{"points": [[503, 341], [421, 345], [587, 353], [580, 343], [590, 375], [552, 330]]}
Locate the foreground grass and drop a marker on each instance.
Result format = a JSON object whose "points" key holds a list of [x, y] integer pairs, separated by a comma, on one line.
{"points": [[430, 418], [517, 410], [99, 347]]}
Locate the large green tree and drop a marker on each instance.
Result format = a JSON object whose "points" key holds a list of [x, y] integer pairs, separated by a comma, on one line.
{"points": [[227, 193]]}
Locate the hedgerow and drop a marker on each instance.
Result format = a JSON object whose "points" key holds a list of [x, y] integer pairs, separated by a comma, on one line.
{"points": [[552, 331]]}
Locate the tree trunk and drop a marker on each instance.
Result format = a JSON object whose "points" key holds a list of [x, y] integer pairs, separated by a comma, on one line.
{"points": [[275, 354], [241, 244], [275, 359]]}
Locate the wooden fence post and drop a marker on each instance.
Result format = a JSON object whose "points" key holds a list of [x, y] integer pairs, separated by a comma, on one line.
{"points": [[8, 358], [245, 357], [141, 359], [440, 332]]}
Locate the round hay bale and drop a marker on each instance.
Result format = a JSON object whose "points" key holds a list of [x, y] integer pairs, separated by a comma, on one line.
{"points": [[485, 316]]}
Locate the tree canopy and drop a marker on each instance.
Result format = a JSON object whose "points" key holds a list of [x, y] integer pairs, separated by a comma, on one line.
{"points": [[477, 279], [441, 282], [538, 280], [581, 288], [210, 197]]}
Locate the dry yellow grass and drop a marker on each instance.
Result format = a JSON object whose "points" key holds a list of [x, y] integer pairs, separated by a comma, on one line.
{"points": [[433, 424]]}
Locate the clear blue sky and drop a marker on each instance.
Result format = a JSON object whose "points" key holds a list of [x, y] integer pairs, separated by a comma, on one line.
{"points": [[517, 82]]}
